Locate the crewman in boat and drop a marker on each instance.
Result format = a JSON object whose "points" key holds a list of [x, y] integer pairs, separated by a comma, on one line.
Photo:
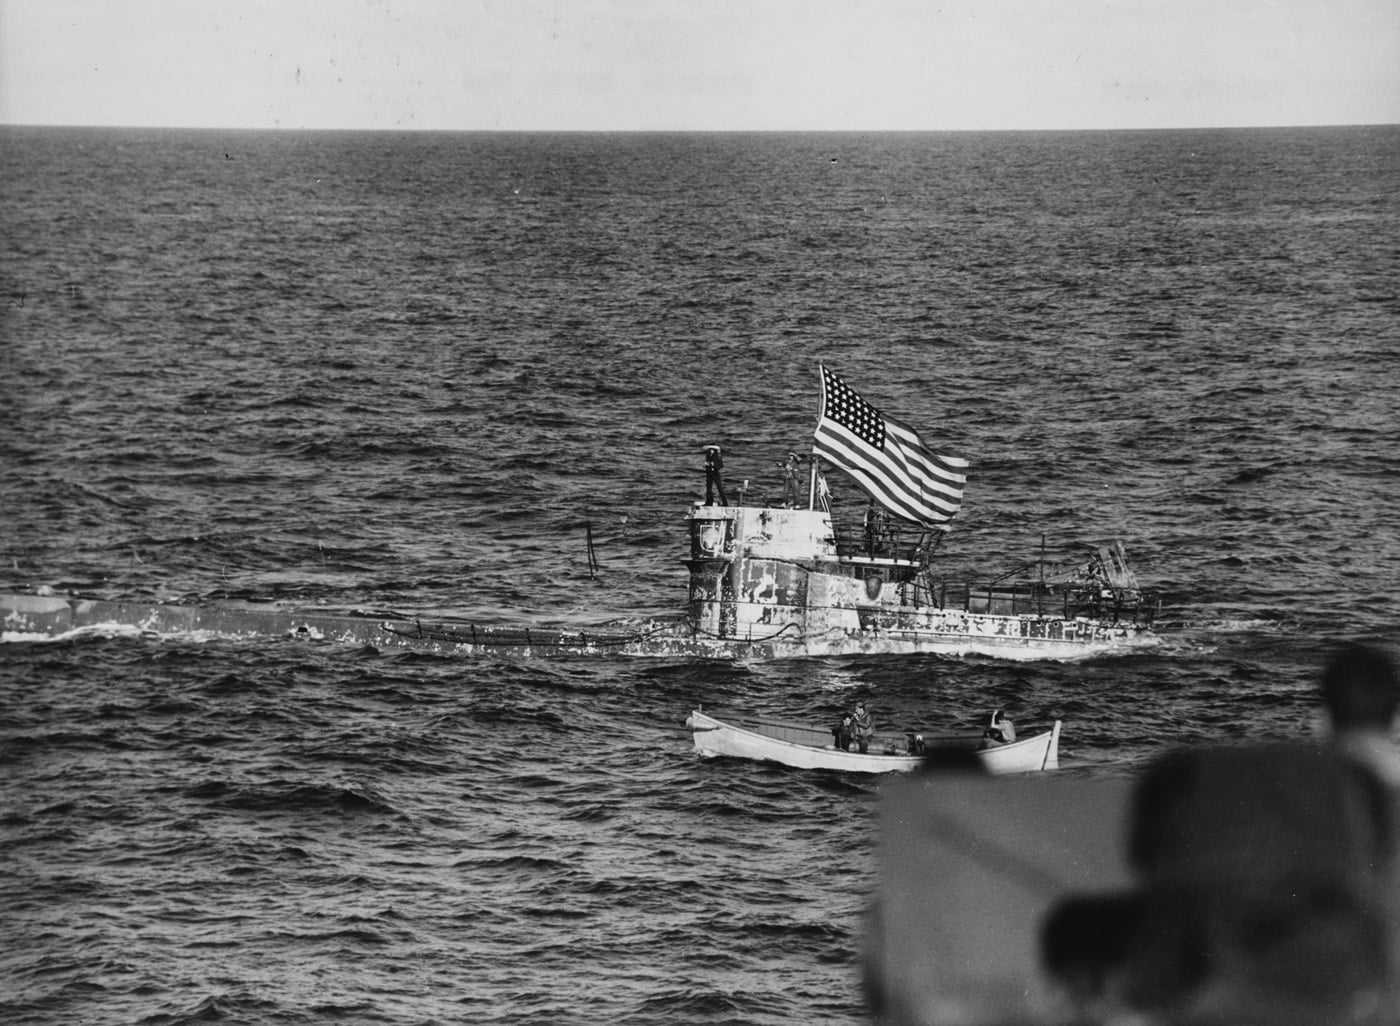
{"points": [[714, 481], [862, 727], [1000, 730], [791, 467], [844, 733]]}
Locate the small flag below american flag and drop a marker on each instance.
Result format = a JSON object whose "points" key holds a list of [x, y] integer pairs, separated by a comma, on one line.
{"points": [[888, 460]]}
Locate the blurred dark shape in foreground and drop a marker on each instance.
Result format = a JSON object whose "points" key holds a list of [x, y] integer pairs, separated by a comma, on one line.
{"points": [[1254, 884], [1362, 692], [1262, 894], [1225, 885]]}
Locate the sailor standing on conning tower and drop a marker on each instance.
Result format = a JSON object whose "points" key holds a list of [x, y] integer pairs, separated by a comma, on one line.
{"points": [[790, 467], [713, 481]]}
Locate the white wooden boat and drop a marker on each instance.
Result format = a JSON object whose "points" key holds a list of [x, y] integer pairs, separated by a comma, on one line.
{"points": [[769, 740]]}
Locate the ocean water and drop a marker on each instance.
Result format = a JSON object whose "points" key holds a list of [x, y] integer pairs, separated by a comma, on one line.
{"points": [[412, 371]]}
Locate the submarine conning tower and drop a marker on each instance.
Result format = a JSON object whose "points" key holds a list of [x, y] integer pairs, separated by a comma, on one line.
{"points": [[757, 572]]}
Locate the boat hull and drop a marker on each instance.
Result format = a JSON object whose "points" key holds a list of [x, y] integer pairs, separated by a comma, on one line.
{"points": [[33, 617], [27, 617], [802, 748]]}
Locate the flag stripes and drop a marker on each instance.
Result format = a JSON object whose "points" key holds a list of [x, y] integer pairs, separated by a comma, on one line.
{"points": [[887, 458]]}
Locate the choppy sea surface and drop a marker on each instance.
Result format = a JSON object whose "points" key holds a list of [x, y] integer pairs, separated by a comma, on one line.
{"points": [[412, 370]]}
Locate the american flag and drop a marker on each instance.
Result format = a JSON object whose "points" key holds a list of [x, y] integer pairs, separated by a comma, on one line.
{"points": [[886, 458]]}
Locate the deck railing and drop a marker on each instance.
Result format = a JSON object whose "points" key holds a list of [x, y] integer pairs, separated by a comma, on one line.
{"points": [[1036, 599], [854, 543]]}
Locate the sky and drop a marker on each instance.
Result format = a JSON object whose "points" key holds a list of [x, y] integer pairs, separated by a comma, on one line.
{"points": [[676, 65]]}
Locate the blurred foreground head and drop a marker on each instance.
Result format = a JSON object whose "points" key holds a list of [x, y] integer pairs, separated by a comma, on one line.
{"points": [[1266, 894], [1242, 885], [1360, 688]]}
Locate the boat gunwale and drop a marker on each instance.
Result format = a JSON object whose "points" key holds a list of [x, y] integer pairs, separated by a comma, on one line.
{"points": [[1044, 737]]}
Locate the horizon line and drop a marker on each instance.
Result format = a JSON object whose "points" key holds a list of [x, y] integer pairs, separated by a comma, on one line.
{"points": [[699, 131]]}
